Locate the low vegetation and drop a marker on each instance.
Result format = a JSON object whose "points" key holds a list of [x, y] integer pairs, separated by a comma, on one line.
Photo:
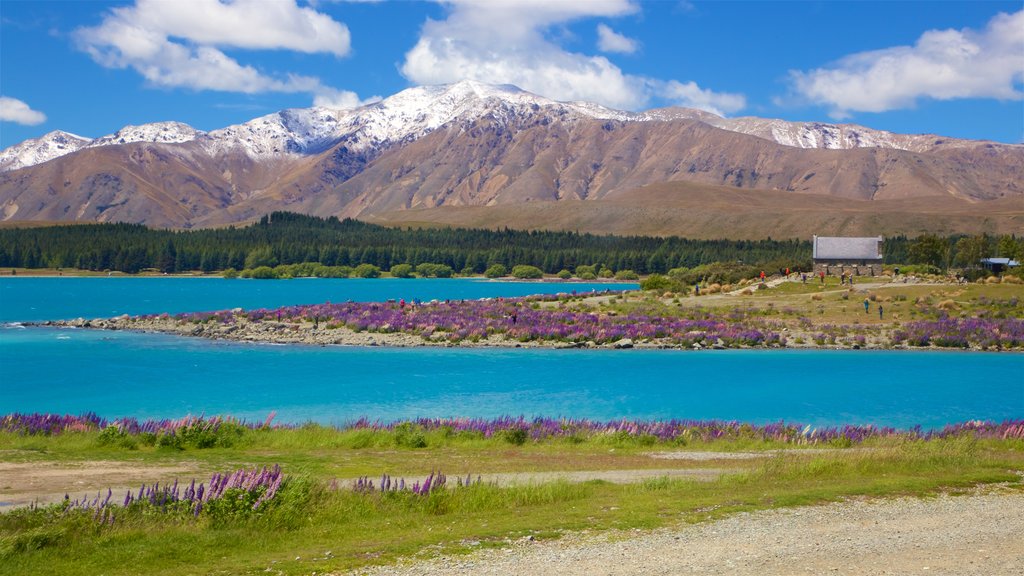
{"points": [[367, 493]]}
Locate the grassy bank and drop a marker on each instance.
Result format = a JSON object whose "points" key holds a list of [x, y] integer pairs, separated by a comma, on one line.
{"points": [[316, 522]]}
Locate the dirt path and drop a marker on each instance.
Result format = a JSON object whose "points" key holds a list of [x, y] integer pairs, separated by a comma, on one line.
{"points": [[975, 535], [47, 482]]}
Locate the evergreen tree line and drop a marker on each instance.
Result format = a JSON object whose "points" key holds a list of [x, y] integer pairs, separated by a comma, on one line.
{"points": [[287, 238]]}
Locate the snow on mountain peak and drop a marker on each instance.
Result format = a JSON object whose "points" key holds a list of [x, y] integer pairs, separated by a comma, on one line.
{"points": [[417, 111], [158, 132], [38, 150], [291, 131]]}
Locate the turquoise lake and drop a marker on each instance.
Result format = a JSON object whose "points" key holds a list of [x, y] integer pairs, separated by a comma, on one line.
{"points": [[155, 376]]}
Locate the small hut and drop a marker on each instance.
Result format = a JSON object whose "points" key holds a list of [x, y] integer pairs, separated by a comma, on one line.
{"points": [[999, 265], [849, 255]]}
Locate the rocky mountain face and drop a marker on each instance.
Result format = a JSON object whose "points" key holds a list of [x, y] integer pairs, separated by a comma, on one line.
{"points": [[471, 144]]}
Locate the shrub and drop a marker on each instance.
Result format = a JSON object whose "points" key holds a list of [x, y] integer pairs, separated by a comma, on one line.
{"points": [[564, 274], [525, 271], [919, 269], [409, 436], [261, 273], [496, 271], [366, 271], [659, 283], [431, 270], [230, 273], [626, 275], [401, 271], [515, 436]]}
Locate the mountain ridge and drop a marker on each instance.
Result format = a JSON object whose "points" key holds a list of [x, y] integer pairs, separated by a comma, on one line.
{"points": [[473, 144], [425, 108]]}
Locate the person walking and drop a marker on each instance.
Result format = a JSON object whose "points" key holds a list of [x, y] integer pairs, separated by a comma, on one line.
{"points": [[879, 311], [867, 305]]}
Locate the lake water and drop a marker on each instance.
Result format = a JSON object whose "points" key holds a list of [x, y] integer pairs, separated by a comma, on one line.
{"points": [[155, 376], [33, 299]]}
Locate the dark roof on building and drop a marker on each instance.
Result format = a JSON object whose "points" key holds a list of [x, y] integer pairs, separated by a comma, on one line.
{"points": [[847, 248]]}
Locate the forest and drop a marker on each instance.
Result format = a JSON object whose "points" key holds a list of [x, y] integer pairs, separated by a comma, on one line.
{"points": [[283, 238]]}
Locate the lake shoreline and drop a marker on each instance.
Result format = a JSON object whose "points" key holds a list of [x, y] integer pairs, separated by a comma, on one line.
{"points": [[306, 334]]}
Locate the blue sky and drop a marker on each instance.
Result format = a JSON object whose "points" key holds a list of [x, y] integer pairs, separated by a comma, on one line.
{"points": [[90, 67]]}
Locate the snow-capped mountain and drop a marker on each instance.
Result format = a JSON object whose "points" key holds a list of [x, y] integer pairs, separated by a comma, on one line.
{"points": [[415, 112], [158, 132], [38, 150], [477, 145], [406, 116]]}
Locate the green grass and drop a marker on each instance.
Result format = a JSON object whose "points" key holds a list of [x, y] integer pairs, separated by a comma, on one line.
{"points": [[308, 519]]}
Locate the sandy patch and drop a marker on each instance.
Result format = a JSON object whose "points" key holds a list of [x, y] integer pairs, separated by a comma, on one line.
{"points": [[22, 483]]}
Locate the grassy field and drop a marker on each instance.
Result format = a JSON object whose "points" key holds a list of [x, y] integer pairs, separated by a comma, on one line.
{"points": [[316, 522]]}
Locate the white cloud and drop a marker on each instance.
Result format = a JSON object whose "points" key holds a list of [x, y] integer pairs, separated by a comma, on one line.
{"points": [[942, 64], [609, 40], [14, 110], [504, 42], [179, 44], [341, 99], [693, 96]]}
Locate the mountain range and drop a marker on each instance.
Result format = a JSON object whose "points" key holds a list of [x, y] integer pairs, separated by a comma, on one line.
{"points": [[483, 155]]}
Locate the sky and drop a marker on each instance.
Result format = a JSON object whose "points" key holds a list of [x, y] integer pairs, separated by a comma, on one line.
{"points": [[91, 67]]}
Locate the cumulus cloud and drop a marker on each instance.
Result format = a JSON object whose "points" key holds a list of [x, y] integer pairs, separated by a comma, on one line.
{"points": [[14, 110], [609, 40], [693, 96], [179, 44], [942, 64], [505, 42], [341, 99]]}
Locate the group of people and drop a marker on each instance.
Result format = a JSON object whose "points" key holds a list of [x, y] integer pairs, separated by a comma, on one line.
{"points": [[867, 308]]}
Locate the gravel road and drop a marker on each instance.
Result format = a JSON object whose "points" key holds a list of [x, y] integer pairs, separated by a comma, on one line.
{"points": [[968, 535]]}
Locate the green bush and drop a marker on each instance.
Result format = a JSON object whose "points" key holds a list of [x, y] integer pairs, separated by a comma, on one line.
{"points": [[366, 271], [496, 271], [564, 274], [590, 271], [517, 436], [626, 275], [919, 269], [230, 273], [260, 273], [659, 283], [430, 270], [525, 271], [716, 272], [401, 271], [408, 435]]}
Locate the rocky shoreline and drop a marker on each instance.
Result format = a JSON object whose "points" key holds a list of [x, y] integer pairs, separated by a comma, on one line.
{"points": [[310, 334]]}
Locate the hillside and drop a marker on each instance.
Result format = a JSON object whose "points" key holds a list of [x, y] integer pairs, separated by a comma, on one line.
{"points": [[480, 155]]}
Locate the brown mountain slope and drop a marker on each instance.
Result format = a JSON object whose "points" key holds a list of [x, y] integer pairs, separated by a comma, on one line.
{"points": [[572, 171], [704, 211], [489, 163], [165, 185]]}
